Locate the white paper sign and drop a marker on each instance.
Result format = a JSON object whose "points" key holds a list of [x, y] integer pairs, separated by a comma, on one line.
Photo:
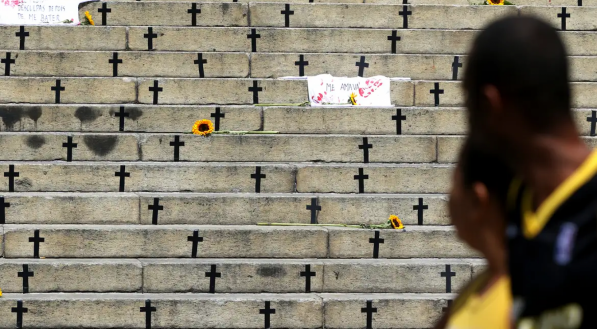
{"points": [[328, 90], [38, 12]]}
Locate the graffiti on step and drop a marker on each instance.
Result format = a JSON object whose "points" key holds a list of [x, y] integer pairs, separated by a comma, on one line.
{"points": [[39, 12]]}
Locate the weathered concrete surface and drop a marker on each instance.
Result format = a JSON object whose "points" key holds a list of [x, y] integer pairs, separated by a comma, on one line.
{"points": [[126, 241], [191, 39], [71, 275], [581, 18], [65, 38]]}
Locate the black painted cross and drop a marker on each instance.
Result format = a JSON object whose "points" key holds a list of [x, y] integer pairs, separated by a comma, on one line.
{"points": [[563, 15], [393, 38], [104, 11], [398, 118], [114, 61], [258, 176], [147, 310], [405, 13], [25, 275], [287, 12], [122, 115], [7, 61], [217, 116], [177, 144], [200, 61], [314, 209], [365, 147], [69, 148], [455, 66], [212, 275], [253, 36], [445, 309], [420, 208], [155, 207], [255, 89], [361, 177], [122, 174], [362, 65], [57, 89], [3, 206], [301, 63], [22, 35], [448, 275], [11, 174], [369, 310], [307, 274], [150, 36], [580, 3], [19, 310], [267, 311], [195, 238], [436, 92], [376, 241], [156, 89], [36, 241], [194, 11], [593, 120]]}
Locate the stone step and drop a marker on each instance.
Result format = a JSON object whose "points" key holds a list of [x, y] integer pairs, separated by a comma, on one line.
{"points": [[395, 16], [414, 2], [222, 311], [278, 40], [177, 241], [236, 275], [220, 209], [217, 177], [129, 64], [572, 18]]}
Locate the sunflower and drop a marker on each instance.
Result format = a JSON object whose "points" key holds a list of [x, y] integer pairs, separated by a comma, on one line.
{"points": [[495, 2], [396, 223], [0, 293], [203, 127], [89, 19], [353, 99]]}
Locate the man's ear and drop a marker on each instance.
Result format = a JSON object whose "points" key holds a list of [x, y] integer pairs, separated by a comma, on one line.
{"points": [[481, 201], [493, 96]]}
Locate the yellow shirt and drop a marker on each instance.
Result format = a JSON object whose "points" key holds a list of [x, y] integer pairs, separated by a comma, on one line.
{"points": [[488, 311]]}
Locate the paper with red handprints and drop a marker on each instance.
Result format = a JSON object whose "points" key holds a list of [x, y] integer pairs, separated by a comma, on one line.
{"points": [[38, 12], [328, 90]]}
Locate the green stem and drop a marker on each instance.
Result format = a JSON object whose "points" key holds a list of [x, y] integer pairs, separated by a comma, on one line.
{"points": [[244, 132], [287, 104]]}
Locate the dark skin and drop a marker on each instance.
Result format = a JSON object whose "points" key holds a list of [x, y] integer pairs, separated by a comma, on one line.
{"points": [[544, 159]]}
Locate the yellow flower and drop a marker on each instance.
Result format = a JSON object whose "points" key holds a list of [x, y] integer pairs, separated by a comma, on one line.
{"points": [[203, 127], [353, 98], [88, 15], [495, 2], [0, 292], [396, 222]]}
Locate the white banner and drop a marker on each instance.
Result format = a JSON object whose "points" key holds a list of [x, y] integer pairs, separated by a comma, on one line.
{"points": [[328, 90], [38, 12]]}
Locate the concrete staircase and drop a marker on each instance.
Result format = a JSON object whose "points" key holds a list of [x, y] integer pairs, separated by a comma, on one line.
{"points": [[112, 216]]}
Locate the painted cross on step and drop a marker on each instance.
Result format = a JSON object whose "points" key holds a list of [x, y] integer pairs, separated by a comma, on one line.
{"points": [[7, 61], [36, 241], [398, 118], [150, 36], [104, 11], [156, 89], [267, 311], [3, 206], [405, 13], [593, 120], [436, 92], [253, 36], [217, 115], [365, 147], [362, 65], [57, 89], [455, 66], [369, 310], [393, 38], [563, 15], [147, 310], [258, 176], [195, 238], [255, 90], [307, 274], [420, 208], [199, 62], [287, 12], [361, 177], [69, 148], [314, 208], [194, 11], [155, 208], [122, 115], [11, 174], [301, 63], [212, 275], [25, 275], [22, 35], [448, 275], [19, 310], [114, 61], [376, 241], [177, 144], [445, 309], [122, 174]]}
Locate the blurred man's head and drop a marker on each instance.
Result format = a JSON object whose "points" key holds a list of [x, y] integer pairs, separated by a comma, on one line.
{"points": [[516, 81]]}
